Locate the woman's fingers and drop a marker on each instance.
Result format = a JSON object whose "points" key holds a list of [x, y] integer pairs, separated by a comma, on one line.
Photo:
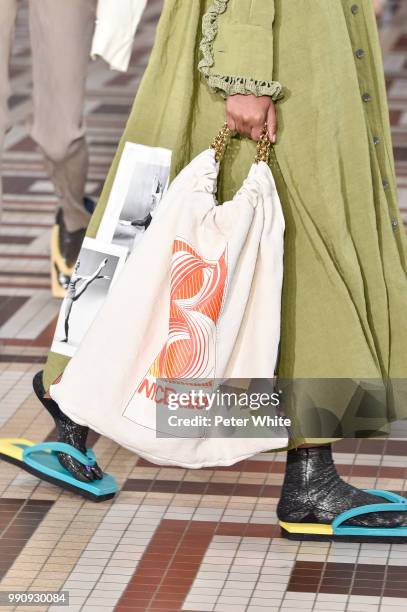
{"points": [[272, 123], [244, 125], [248, 114], [231, 122], [256, 132]]}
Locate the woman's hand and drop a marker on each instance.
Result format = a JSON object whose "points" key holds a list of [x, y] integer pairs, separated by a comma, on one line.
{"points": [[248, 114]]}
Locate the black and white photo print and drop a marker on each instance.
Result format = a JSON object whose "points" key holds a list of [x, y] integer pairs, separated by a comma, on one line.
{"points": [[141, 180], [96, 270]]}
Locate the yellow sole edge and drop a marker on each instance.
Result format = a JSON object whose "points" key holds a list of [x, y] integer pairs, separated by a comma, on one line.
{"points": [[8, 446], [55, 253], [57, 290], [307, 528]]}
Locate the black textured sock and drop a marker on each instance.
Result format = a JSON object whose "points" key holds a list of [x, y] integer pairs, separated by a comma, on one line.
{"points": [[69, 432], [313, 492]]}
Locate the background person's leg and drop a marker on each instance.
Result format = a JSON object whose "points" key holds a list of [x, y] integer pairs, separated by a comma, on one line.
{"points": [[7, 19], [61, 35]]}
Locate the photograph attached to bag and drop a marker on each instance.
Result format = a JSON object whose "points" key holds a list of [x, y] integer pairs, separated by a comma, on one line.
{"points": [[140, 182], [95, 272]]}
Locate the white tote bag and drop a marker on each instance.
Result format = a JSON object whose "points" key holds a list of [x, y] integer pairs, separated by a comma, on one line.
{"points": [[199, 299]]}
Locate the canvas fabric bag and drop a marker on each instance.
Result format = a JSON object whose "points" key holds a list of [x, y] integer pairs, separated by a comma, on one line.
{"points": [[200, 298]]}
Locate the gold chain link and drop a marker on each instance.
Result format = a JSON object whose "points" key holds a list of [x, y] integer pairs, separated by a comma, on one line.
{"points": [[263, 146], [220, 142]]}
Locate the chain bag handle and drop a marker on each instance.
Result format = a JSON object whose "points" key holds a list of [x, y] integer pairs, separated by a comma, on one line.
{"points": [[221, 141]]}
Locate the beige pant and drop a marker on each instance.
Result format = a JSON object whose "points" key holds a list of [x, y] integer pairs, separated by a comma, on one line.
{"points": [[61, 35]]}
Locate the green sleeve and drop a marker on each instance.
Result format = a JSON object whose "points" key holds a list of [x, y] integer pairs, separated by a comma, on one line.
{"points": [[237, 48]]}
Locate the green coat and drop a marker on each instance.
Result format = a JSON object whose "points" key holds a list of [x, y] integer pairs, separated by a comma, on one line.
{"points": [[345, 292]]}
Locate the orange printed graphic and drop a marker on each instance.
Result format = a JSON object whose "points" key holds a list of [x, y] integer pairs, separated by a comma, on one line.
{"points": [[197, 291]]}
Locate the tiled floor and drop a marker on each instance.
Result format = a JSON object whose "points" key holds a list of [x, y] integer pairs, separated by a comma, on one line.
{"points": [[173, 539]]}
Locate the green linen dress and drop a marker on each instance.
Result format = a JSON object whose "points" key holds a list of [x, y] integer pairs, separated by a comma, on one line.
{"points": [[345, 293]]}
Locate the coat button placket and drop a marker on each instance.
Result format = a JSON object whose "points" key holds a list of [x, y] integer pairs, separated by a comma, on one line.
{"points": [[367, 97]]}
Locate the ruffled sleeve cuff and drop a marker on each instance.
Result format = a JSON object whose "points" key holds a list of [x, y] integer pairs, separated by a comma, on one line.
{"points": [[230, 84]]}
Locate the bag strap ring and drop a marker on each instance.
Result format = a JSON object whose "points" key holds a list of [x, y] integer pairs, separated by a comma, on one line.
{"points": [[221, 140]]}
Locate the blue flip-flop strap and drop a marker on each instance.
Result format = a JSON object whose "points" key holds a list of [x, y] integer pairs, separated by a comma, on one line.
{"points": [[368, 509], [60, 447], [389, 495], [397, 504]]}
